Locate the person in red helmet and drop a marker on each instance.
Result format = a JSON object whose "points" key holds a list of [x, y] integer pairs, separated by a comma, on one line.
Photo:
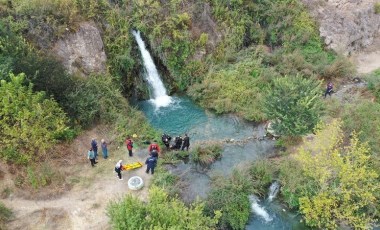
{"points": [[154, 149]]}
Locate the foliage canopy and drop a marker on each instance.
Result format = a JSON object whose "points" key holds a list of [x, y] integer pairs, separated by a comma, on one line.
{"points": [[294, 105], [161, 212], [30, 123]]}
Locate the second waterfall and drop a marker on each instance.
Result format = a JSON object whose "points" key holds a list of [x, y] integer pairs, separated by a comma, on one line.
{"points": [[158, 95]]}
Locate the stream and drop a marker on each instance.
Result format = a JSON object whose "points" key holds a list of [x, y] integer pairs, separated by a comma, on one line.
{"points": [[242, 143]]}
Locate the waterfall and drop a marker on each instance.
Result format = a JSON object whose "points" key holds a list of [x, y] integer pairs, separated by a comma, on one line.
{"points": [[273, 190], [158, 94], [258, 210]]}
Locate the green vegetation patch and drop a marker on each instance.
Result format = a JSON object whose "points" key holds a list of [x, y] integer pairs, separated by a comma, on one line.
{"points": [[5, 215], [160, 212], [206, 155], [30, 121]]}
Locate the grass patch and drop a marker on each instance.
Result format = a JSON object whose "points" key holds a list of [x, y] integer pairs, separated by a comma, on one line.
{"points": [[5, 215], [377, 8], [206, 155], [165, 180]]}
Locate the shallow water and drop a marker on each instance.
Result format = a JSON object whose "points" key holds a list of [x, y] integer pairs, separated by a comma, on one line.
{"points": [[240, 146], [281, 219]]}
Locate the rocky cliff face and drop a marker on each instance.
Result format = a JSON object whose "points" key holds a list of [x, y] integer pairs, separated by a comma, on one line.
{"points": [[82, 52], [347, 26], [351, 28]]}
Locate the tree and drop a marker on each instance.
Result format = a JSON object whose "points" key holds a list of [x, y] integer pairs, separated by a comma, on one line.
{"points": [[294, 105], [30, 123], [161, 212], [347, 185]]}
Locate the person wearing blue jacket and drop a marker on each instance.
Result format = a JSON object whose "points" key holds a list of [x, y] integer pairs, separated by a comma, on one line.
{"points": [[91, 157], [94, 146], [151, 163]]}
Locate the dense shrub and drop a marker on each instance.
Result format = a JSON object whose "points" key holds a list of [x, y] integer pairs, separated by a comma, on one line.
{"points": [[236, 87], [30, 122], [5, 215], [377, 8], [294, 105], [348, 188], [231, 197], [160, 212], [206, 155]]}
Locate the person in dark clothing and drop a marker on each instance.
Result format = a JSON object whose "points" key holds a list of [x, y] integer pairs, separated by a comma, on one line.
{"points": [[166, 140], [178, 142], [151, 163], [186, 143], [94, 146], [329, 89], [154, 153], [119, 168], [129, 144], [91, 157]]}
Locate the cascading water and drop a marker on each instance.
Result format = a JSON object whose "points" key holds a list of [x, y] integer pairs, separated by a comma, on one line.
{"points": [[273, 190], [158, 95], [258, 210]]}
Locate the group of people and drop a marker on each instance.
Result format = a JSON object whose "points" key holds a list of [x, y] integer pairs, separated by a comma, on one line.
{"points": [[179, 142], [151, 161], [154, 150], [92, 153]]}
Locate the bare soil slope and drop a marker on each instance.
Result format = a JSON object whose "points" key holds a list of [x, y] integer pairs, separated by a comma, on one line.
{"points": [[84, 206]]}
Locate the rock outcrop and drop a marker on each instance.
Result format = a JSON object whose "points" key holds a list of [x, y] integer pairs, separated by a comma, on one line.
{"points": [[82, 52], [347, 26]]}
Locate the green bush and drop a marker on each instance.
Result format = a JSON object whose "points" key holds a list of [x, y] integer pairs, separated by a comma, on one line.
{"points": [[377, 8], [261, 176], [161, 212], [231, 197], [206, 155], [348, 187], [30, 121], [5, 215], [234, 88], [165, 180], [294, 105], [294, 184]]}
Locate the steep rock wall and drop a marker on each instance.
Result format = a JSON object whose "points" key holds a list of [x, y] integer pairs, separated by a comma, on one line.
{"points": [[82, 52], [347, 26]]}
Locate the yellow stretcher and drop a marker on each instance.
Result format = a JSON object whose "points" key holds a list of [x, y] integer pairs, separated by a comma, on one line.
{"points": [[132, 166]]}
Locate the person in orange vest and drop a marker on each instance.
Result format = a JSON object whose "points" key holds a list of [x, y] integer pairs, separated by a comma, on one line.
{"points": [[129, 144], [154, 149]]}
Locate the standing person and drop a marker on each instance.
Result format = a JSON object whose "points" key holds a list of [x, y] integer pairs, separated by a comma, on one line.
{"points": [[329, 89], [104, 149], [94, 146], [154, 146], [178, 142], [91, 157], [129, 144], [166, 140], [186, 143], [119, 168], [151, 163]]}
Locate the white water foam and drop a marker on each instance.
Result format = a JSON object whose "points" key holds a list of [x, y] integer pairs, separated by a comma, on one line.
{"points": [[273, 190], [258, 210], [159, 96]]}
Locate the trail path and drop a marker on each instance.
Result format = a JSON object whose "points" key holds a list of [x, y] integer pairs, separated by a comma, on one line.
{"points": [[84, 206]]}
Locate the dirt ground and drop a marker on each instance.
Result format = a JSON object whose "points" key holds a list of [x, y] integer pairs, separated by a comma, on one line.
{"points": [[84, 206], [368, 59]]}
